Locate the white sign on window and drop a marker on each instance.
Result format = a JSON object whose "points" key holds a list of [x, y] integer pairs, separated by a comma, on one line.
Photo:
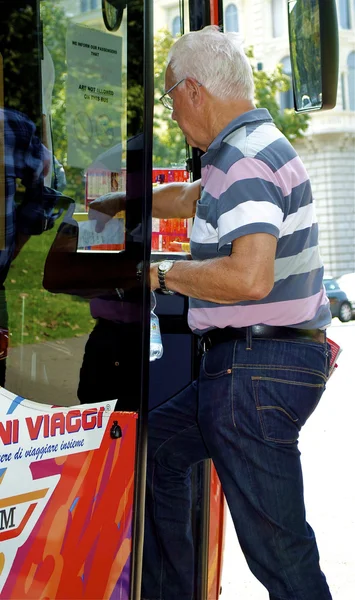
{"points": [[94, 94]]}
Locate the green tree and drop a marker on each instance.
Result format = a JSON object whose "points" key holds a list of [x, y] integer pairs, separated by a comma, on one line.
{"points": [[169, 143], [169, 147], [20, 49], [55, 24]]}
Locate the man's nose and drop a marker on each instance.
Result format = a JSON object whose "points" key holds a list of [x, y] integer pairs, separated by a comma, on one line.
{"points": [[173, 115]]}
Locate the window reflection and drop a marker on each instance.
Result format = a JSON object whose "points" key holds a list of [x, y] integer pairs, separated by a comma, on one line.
{"points": [[306, 55]]}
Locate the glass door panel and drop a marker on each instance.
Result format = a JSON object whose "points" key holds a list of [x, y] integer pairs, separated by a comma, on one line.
{"points": [[73, 131], [170, 152]]}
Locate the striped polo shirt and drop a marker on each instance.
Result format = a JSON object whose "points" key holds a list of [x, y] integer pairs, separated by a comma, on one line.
{"points": [[253, 181]]}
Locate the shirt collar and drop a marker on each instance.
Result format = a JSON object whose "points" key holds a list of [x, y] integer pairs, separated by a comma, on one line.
{"points": [[257, 115]]}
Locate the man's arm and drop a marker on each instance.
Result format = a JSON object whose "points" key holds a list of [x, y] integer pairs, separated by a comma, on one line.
{"points": [[176, 200], [171, 200], [247, 274]]}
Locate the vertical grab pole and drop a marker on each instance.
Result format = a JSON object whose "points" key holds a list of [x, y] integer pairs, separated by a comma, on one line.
{"points": [[141, 448]]}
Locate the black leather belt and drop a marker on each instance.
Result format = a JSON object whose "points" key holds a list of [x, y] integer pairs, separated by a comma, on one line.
{"points": [[218, 336]]}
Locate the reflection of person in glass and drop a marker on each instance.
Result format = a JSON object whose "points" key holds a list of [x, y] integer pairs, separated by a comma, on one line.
{"points": [[109, 360], [23, 157], [114, 182]]}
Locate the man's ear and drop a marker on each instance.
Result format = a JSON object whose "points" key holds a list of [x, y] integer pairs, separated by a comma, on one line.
{"points": [[194, 90]]}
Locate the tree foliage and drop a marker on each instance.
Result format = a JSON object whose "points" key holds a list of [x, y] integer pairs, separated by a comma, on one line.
{"points": [[55, 24], [169, 146], [20, 49]]}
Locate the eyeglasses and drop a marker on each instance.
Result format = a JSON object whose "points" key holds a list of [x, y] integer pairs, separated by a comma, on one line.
{"points": [[165, 98]]}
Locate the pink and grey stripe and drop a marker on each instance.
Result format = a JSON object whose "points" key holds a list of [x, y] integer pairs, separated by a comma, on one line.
{"points": [[254, 182]]}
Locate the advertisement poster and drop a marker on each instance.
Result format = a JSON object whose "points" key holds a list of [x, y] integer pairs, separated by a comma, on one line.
{"points": [[66, 498], [94, 94]]}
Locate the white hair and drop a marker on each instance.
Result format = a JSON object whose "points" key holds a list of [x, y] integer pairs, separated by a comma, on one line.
{"points": [[215, 59]]}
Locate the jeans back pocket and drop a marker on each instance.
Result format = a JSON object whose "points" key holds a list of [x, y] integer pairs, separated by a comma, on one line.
{"points": [[284, 405]]}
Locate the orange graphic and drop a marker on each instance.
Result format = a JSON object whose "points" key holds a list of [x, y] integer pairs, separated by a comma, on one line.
{"points": [[80, 546], [21, 498]]}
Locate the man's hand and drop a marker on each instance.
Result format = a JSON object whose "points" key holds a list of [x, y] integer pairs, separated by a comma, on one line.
{"points": [[104, 208]]}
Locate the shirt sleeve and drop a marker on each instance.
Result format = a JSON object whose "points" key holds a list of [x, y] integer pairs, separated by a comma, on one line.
{"points": [[250, 201]]}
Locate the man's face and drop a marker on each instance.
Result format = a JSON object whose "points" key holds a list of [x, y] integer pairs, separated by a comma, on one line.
{"points": [[183, 111]]}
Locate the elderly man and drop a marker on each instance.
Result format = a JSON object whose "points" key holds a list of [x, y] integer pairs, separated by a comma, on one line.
{"points": [[258, 303]]}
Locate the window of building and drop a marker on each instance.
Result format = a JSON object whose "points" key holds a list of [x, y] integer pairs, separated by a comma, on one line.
{"points": [[351, 80], [344, 14], [94, 4], [343, 93], [278, 18], [84, 5], [176, 26], [286, 98], [231, 18]]}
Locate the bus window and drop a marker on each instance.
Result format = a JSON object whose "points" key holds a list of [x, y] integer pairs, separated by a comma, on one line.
{"points": [[169, 146], [81, 99]]}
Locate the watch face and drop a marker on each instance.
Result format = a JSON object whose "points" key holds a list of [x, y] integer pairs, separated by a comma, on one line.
{"points": [[165, 266], [112, 16]]}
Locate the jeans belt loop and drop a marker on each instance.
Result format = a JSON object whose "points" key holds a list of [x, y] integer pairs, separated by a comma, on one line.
{"points": [[249, 337], [203, 345]]}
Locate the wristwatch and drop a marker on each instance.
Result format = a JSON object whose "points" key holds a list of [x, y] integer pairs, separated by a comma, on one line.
{"points": [[163, 268]]}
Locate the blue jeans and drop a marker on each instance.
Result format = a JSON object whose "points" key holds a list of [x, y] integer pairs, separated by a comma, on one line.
{"points": [[245, 412]]}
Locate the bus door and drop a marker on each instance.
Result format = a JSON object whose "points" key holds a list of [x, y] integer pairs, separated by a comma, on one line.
{"points": [[75, 125]]}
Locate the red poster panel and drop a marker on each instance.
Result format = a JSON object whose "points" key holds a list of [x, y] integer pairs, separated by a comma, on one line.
{"points": [[66, 499], [216, 536]]}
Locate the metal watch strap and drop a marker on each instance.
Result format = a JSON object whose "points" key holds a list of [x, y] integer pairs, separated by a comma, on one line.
{"points": [[162, 282]]}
